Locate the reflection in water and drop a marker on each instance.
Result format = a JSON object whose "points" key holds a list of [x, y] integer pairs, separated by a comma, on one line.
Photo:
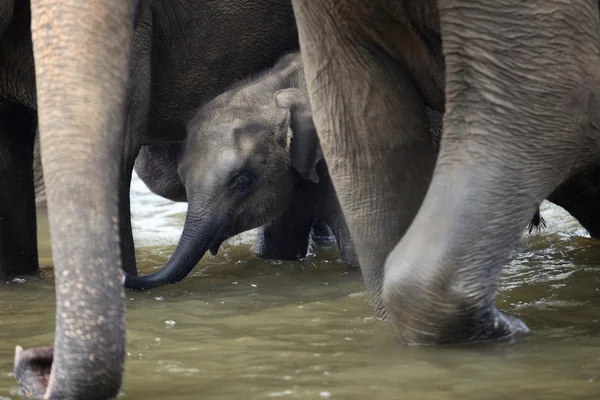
{"points": [[244, 328]]}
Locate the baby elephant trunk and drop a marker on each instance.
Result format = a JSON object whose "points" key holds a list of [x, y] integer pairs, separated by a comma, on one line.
{"points": [[201, 232]]}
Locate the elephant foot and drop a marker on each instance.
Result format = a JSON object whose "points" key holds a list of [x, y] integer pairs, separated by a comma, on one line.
{"points": [[444, 313], [502, 326], [441, 330], [32, 370]]}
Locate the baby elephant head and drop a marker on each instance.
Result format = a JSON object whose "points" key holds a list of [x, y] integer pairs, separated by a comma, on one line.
{"points": [[240, 168]]}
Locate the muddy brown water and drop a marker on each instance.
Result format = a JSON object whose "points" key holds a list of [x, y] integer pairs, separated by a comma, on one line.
{"points": [[244, 328]]}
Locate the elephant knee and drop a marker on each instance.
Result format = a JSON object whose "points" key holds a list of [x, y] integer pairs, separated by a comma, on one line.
{"points": [[415, 309], [433, 306]]}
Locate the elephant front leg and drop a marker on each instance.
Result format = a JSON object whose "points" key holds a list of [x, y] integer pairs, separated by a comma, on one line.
{"points": [[373, 131], [125, 228], [515, 124], [287, 238], [136, 127], [321, 233], [18, 229]]}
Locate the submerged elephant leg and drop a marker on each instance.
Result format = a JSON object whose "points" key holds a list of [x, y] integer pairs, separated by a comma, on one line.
{"points": [[125, 228], [81, 52], [284, 239], [136, 126], [520, 112], [373, 131], [18, 229], [330, 212], [320, 232], [287, 238], [580, 196]]}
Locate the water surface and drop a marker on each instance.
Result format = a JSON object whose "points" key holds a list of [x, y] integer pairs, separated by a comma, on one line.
{"points": [[244, 328]]}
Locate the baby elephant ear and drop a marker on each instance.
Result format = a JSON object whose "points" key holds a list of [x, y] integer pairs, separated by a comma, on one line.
{"points": [[305, 151]]}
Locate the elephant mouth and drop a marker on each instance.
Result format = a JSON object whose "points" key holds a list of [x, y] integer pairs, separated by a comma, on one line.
{"points": [[218, 240], [216, 244]]}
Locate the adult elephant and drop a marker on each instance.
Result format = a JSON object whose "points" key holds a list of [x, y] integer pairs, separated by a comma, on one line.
{"points": [[184, 53], [518, 82], [102, 89]]}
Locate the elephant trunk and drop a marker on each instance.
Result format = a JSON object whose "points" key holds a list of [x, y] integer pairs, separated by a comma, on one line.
{"points": [[201, 232], [81, 52]]}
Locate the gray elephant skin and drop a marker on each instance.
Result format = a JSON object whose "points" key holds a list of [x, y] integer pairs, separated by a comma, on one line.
{"points": [[251, 159], [260, 132], [109, 76], [469, 229], [79, 136], [181, 58], [518, 82]]}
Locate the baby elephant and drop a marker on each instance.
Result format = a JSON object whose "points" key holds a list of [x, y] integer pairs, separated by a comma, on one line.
{"points": [[251, 159]]}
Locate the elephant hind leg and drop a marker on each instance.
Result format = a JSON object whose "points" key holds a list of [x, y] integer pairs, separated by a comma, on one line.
{"points": [[321, 233], [580, 196], [127, 243], [373, 130], [509, 140], [6, 12], [18, 229], [287, 238]]}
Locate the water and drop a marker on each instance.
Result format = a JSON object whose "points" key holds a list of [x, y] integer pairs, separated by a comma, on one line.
{"points": [[244, 328]]}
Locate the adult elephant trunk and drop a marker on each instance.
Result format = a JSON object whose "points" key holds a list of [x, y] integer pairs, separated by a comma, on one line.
{"points": [[81, 51], [202, 231]]}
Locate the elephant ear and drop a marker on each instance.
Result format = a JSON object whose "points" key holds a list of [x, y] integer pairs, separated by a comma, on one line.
{"points": [[305, 151]]}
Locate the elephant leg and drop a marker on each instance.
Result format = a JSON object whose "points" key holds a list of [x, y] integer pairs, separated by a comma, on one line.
{"points": [[125, 229], [81, 52], [330, 213], [335, 219], [136, 126], [7, 8], [320, 232], [286, 238], [580, 196], [360, 97], [515, 124], [18, 229]]}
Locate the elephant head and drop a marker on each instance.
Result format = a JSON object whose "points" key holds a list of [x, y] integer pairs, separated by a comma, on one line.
{"points": [[239, 169]]}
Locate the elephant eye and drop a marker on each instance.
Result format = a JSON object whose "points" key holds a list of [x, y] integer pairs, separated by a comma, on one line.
{"points": [[242, 181]]}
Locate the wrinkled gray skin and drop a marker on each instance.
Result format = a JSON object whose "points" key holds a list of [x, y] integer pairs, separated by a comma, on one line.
{"points": [[251, 159], [101, 91], [80, 98], [38, 175], [181, 58], [292, 186], [518, 82], [157, 166]]}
